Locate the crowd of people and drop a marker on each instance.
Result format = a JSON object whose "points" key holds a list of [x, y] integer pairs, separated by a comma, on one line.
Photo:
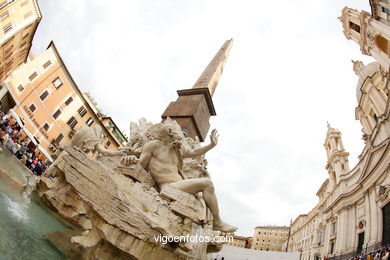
{"points": [[16, 141], [383, 254]]}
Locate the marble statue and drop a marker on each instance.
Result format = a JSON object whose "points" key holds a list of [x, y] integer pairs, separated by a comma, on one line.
{"points": [[163, 158], [157, 184], [88, 138]]}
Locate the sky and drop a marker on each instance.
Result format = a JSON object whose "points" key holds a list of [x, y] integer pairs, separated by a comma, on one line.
{"points": [[288, 73]]}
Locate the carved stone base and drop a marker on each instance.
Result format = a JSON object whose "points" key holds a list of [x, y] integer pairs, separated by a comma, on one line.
{"points": [[120, 216]]}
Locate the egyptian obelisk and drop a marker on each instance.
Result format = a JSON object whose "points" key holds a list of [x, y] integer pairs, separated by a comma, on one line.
{"points": [[194, 107]]}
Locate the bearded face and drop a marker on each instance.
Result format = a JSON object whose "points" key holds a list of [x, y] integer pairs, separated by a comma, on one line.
{"points": [[168, 134]]}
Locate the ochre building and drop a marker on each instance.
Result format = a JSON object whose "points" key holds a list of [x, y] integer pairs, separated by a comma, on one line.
{"points": [[51, 105], [269, 238], [19, 20]]}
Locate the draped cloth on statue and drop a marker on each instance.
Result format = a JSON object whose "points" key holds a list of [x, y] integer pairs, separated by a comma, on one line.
{"points": [[87, 137]]}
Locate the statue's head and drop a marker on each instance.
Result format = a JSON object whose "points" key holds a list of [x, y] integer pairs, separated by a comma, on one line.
{"points": [[164, 131], [167, 134]]}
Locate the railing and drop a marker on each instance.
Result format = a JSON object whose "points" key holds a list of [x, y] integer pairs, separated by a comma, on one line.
{"points": [[367, 248], [343, 256]]}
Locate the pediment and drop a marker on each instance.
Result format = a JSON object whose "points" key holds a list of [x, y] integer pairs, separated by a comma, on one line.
{"points": [[373, 159]]}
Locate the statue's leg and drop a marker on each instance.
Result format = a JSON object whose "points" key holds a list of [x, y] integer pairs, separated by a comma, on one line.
{"points": [[206, 186]]}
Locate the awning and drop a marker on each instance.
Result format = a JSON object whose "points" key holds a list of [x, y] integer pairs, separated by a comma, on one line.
{"points": [[30, 135], [17, 118]]}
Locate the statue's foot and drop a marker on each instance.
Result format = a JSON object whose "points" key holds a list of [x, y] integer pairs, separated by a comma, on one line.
{"points": [[224, 227]]}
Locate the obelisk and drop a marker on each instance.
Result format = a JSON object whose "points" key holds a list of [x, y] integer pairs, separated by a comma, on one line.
{"points": [[194, 107]]}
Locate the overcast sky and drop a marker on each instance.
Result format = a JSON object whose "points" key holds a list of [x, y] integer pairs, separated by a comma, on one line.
{"points": [[288, 73]]}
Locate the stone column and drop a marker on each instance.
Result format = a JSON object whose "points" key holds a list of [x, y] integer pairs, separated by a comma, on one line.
{"points": [[342, 230], [367, 213], [374, 217], [351, 228]]}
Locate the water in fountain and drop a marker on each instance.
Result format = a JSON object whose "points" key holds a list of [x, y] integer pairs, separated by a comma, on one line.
{"points": [[199, 247], [24, 220]]}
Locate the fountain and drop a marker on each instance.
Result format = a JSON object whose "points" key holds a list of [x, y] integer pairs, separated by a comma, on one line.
{"points": [[25, 222], [116, 207]]}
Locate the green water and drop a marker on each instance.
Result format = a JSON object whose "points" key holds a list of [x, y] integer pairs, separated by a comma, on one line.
{"points": [[24, 220]]}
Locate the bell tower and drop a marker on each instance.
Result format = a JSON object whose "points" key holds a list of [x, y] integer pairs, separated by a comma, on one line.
{"points": [[369, 30], [194, 107], [337, 156]]}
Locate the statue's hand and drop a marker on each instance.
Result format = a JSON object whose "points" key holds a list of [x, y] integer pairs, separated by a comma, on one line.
{"points": [[214, 137], [129, 159]]}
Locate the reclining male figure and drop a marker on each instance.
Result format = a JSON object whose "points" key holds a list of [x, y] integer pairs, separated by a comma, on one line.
{"points": [[162, 157]]}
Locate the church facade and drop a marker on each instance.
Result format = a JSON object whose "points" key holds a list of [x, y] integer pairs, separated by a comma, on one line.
{"points": [[353, 212]]}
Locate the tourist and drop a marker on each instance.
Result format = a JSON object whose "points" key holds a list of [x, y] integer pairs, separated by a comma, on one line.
{"points": [[29, 161], [386, 256], [22, 150], [23, 159], [4, 134], [38, 168], [10, 145]]}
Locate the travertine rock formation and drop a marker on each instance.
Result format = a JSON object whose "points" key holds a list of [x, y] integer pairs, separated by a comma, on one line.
{"points": [[120, 209]]}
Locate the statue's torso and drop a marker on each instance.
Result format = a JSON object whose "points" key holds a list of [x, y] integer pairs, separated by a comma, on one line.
{"points": [[163, 165]]}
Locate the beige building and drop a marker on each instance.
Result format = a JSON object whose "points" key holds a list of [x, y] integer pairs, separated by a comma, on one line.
{"points": [[269, 238], [353, 212], [51, 105], [19, 20], [239, 241]]}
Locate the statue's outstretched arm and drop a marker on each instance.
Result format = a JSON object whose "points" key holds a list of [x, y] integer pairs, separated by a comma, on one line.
{"points": [[198, 151], [99, 147]]}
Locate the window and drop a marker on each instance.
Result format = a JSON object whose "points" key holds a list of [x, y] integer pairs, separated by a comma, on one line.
{"points": [[44, 95], [59, 138], [7, 28], [32, 107], [385, 10], [90, 121], [4, 15], [72, 122], [334, 227], [21, 46], [57, 82], [20, 88], [46, 64], [57, 114], [25, 36], [82, 111], [108, 143], [354, 27], [331, 248], [46, 127], [68, 101], [33, 76]]}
